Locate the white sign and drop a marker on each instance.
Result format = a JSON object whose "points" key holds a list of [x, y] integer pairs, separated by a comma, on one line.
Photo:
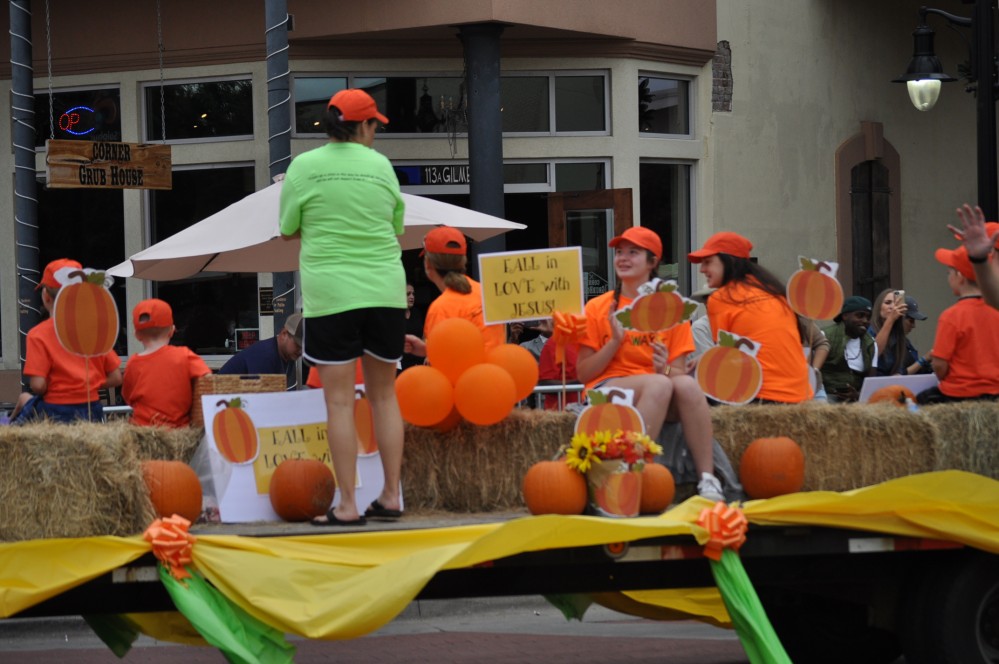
{"points": [[248, 435]]}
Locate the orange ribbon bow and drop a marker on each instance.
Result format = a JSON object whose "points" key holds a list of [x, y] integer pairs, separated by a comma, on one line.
{"points": [[172, 544], [568, 329], [726, 528]]}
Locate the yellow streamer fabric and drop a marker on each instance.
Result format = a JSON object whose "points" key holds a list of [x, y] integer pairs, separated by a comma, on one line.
{"points": [[349, 584]]}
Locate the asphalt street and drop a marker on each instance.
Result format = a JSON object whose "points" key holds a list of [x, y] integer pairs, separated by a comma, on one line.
{"points": [[514, 629]]}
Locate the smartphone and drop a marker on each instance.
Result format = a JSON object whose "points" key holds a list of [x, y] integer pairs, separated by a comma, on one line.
{"points": [[900, 296]]}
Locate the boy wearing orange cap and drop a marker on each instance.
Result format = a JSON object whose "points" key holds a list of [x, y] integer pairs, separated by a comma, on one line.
{"points": [[966, 347], [159, 380], [981, 240], [65, 388]]}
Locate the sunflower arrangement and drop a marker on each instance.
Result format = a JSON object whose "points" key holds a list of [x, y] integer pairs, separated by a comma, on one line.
{"points": [[632, 447]]}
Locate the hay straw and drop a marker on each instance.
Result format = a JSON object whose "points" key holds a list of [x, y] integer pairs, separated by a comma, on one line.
{"points": [[967, 436]]}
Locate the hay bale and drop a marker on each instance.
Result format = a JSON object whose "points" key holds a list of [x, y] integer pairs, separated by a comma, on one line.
{"points": [[76, 480], [845, 446], [967, 436], [479, 469]]}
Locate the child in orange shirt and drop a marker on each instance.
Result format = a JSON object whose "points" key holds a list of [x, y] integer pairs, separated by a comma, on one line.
{"points": [[159, 381], [64, 386]]}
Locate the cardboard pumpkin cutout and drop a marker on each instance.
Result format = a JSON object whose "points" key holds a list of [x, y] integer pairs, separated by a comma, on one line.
{"points": [[730, 372], [659, 306], [235, 433], [609, 409], [813, 291], [84, 312]]}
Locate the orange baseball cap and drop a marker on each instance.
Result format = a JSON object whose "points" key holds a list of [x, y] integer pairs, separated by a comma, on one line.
{"points": [[990, 229], [957, 259], [152, 313], [725, 242], [49, 276], [356, 105], [444, 240], [640, 236]]}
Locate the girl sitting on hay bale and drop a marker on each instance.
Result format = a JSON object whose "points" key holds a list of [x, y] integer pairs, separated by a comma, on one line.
{"points": [[653, 365]]}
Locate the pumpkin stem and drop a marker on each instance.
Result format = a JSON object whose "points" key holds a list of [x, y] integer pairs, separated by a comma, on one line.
{"points": [[822, 264], [744, 342]]}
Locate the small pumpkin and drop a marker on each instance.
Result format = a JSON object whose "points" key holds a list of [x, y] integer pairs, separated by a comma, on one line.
{"points": [[552, 487], [893, 394], [772, 467], [235, 433], [301, 489], [174, 488], [658, 488]]}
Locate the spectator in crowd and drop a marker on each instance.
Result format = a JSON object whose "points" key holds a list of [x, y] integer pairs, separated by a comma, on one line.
{"points": [[893, 317], [966, 346], [852, 351], [414, 326], [276, 355], [816, 348]]}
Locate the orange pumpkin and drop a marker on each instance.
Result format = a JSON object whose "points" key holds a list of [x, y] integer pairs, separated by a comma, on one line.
{"points": [[814, 294], [604, 415], [301, 489], [365, 425], [85, 317], [235, 433], [174, 488], [658, 488], [893, 394], [728, 375], [657, 311], [772, 467], [552, 487]]}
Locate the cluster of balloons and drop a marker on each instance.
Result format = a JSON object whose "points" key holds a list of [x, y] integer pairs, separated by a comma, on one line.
{"points": [[463, 380]]}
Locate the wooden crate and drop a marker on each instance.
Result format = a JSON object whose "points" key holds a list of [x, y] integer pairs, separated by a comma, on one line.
{"points": [[233, 384]]}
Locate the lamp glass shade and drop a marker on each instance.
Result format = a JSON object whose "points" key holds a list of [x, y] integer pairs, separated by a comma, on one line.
{"points": [[924, 93]]}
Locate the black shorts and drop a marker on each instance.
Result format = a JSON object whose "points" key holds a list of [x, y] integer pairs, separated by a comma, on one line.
{"points": [[344, 337]]}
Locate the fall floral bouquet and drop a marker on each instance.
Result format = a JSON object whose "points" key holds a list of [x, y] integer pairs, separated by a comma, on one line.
{"points": [[612, 463]]}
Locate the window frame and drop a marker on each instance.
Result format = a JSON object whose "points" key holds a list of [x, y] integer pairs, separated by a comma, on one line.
{"points": [[144, 128], [76, 88], [691, 109]]}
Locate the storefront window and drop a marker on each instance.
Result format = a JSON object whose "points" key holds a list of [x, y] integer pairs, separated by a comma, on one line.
{"points": [[579, 103], [663, 105], [312, 96], [209, 306], [200, 110], [664, 198], [78, 115]]}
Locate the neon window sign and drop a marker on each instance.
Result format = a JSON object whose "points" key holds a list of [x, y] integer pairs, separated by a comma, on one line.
{"points": [[75, 119]]}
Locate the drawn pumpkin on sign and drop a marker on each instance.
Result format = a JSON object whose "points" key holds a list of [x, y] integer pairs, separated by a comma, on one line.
{"points": [[365, 424], [605, 415], [730, 372], [85, 315], [660, 308], [235, 433], [813, 291], [619, 493]]}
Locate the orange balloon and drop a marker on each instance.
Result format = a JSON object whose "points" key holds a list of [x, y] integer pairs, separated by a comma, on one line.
{"points": [[485, 394], [453, 345], [425, 395], [521, 365], [452, 420]]}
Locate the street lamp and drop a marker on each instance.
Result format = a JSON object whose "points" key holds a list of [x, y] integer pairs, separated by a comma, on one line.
{"points": [[925, 74]]}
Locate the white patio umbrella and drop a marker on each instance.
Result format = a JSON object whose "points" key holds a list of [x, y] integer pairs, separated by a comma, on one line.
{"points": [[244, 237]]}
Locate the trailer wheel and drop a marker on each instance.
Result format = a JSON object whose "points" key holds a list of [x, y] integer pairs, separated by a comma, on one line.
{"points": [[955, 617]]}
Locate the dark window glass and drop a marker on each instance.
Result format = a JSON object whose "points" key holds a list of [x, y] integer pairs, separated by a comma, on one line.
{"points": [[312, 95], [525, 103], [664, 198], [86, 225], [525, 173], [210, 109], [663, 105], [419, 105], [579, 176], [207, 308], [83, 115], [579, 103]]}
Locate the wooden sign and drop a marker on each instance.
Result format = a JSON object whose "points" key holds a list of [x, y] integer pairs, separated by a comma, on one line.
{"points": [[101, 165]]}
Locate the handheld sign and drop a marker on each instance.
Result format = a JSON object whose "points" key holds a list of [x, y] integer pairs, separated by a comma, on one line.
{"points": [[525, 285], [730, 372], [813, 291], [659, 306]]}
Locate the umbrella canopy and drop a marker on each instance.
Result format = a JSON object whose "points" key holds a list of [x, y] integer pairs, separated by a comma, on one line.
{"points": [[244, 237]]}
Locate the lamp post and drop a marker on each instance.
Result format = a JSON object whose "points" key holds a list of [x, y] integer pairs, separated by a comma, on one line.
{"points": [[925, 75]]}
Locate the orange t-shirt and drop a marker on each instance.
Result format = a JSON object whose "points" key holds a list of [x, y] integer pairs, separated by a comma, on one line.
{"points": [[312, 380], [768, 320], [967, 340], [634, 355], [67, 374], [452, 304], [159, 387]]}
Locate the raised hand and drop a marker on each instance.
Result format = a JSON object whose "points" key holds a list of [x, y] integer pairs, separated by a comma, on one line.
{"points": [[973, 232]]}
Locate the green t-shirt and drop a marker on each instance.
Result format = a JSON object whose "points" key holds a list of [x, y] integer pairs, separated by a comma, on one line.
{"points": [[344, 199]]}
